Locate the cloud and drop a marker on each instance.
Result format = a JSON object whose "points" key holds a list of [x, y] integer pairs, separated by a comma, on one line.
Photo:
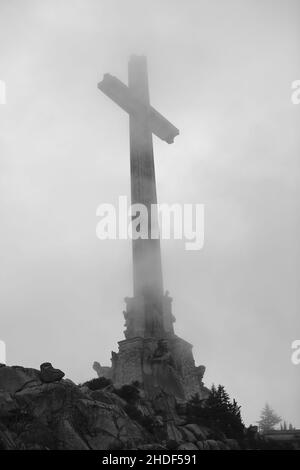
{"points": [[221, 72]]}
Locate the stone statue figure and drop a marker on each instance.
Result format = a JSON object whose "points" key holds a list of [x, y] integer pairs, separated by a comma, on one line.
{"points": [[102, 371], [200, 370], [97, 368], [161, 372]]}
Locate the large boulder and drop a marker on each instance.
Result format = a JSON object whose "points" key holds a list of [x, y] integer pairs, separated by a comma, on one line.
{"points": [[200, 433], [49, 374], [222, 445], [213, 445], [188, 435], [188, 446], [172, 433]]}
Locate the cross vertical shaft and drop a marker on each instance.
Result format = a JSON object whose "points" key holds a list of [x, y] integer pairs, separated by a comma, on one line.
{"points": [[148, 314], [147, 268]]}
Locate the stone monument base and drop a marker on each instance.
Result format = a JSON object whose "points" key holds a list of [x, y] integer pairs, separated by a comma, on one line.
{"points": [[158, 365]]}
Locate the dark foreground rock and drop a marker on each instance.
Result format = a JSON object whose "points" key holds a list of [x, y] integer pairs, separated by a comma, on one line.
{"points": [[57, 414], [49, 374], [61, 415]]}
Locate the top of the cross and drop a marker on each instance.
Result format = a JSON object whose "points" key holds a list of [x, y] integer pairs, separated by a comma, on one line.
{"points": [[137, 57], [134, 99]]}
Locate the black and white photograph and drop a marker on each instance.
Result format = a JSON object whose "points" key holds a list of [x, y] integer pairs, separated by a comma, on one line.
{"points": [[150, 229]]}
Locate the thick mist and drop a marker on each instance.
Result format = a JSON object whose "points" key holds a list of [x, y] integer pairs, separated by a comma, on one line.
{"points": [[220, 71]]}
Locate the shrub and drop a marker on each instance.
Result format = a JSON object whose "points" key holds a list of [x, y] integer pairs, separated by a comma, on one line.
{"points": [[98, 384], [129, 393]]}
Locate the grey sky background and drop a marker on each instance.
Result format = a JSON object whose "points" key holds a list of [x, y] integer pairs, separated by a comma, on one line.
{"points": [[221, 71]]}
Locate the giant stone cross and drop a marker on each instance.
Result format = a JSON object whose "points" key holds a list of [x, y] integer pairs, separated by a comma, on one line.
{"points": [[151, 353], [144, 121]]}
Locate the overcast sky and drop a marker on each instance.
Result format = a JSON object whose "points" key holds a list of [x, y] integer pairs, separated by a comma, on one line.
{"points": [[220, 71]]}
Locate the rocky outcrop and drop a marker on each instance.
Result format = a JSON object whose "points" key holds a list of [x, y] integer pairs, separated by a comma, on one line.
{"points": [[49, 374], [62, 415], [57, 414], [13, 379]]}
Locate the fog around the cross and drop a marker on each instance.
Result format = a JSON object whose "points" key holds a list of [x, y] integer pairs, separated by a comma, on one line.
{"points": [[219, 71]]}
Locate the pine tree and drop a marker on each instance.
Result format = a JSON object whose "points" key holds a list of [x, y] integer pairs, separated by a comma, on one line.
{"points": [[235, 409], [218, 412], [268, 419], [223, 398]]}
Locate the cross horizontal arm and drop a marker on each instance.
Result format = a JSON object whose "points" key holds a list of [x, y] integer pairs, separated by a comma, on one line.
{"points": [[124, 97]]}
